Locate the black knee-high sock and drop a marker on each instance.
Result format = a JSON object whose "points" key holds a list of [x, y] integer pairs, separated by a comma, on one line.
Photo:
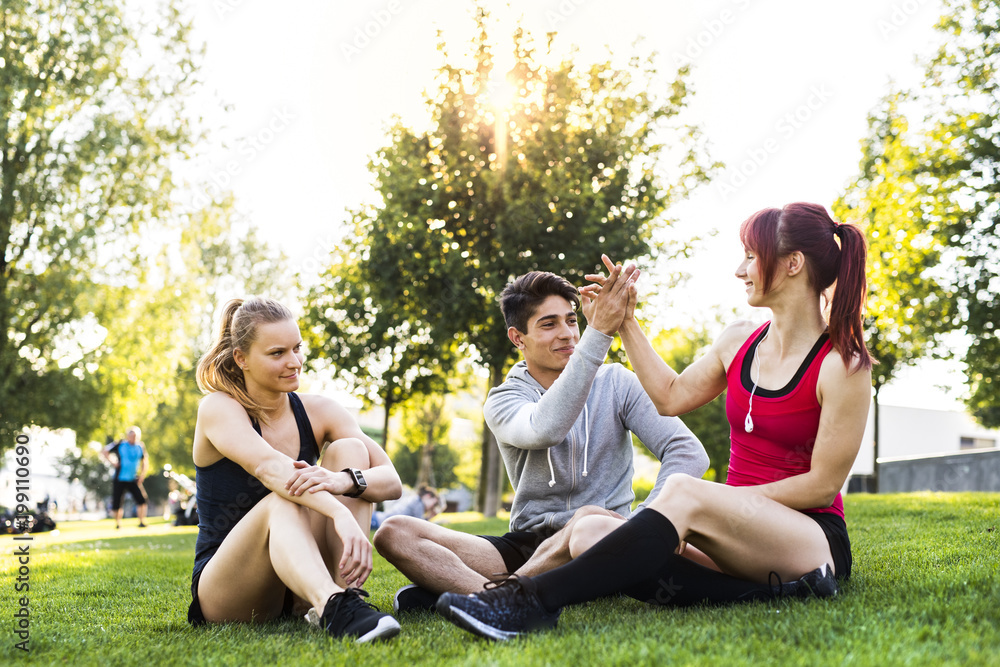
{"points": [[681, 583], [631, 554]]}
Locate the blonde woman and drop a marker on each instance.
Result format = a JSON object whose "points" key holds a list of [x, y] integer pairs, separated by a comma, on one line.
{"points": [[281, 528]]}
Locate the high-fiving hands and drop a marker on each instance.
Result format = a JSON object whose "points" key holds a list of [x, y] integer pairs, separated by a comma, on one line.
{"points": [[610, 300]]}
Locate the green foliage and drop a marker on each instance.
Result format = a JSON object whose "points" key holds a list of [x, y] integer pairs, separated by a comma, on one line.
{"points": [[908, 307], [929, 189], [87, 467], [923, 592], [963, 82], [156, 486], [425, 428], [642, 487], [354, 324], [566, 169], [444, 461], [90, 124], [679, 348]]}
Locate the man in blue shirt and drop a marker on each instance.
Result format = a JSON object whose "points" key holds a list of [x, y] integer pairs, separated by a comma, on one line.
{"points": [[131, 463]]}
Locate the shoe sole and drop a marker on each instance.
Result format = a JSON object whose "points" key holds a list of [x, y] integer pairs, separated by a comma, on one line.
{"points": [[386, 628], [470, 624]]}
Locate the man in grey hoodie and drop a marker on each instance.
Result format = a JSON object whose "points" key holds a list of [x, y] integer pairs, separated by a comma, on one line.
{"points": [[563, 421]]}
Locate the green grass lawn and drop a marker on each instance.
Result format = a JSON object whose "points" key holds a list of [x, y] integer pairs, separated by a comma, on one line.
{"points": [[925, 591]]}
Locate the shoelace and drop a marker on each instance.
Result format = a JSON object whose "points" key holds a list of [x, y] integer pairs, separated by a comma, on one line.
{"points": [[349, 600], [776, 591], [510, 587]]}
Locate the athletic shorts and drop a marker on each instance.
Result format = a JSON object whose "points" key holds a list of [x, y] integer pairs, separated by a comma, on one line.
{"points": [[515, 548], [197, 618], [840, 544], [118, 492]]}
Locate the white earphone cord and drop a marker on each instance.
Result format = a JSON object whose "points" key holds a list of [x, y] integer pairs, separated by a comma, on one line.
{"points": [[748, 423]]}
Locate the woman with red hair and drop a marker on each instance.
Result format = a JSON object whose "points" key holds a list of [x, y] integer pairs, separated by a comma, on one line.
{"points": [[798, 390]]}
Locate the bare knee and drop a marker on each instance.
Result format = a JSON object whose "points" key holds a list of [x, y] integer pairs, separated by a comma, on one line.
{"points": [[395, 533], [584, 512], [346, 453], [590, 530], [682, 498], [678, 487], [591, 510]]}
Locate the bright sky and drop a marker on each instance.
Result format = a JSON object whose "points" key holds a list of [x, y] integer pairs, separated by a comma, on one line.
{"points": [[783, 89]]}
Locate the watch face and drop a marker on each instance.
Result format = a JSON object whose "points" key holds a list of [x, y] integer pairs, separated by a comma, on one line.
{"points": [[360, 485]]}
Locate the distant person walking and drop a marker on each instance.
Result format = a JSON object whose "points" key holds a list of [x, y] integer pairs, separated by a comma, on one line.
{"points": [[131, 463]]}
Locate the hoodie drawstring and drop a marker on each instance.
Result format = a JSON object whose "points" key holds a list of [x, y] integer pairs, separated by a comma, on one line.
{"points": [[548, 455], [586, 445]]}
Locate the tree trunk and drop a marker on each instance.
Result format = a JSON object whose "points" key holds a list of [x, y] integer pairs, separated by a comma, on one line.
{"points": [[491, 470], [425, 476], [385, 423]]}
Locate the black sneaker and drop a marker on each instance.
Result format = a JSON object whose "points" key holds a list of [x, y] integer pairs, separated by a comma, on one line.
{"points": [[347, 615], [820, 583], [413, 598], [503, 611]]}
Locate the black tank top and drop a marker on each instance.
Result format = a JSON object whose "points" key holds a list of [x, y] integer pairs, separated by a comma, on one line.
{"points": [[226, 492]]}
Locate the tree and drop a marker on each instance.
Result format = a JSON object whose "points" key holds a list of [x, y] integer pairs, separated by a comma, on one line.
{"points": [[426, 428], [963, 167], [908, 307], [90, 124], [568, 168], [930, 189], [84, 465], [357, 323], [424, 453]]}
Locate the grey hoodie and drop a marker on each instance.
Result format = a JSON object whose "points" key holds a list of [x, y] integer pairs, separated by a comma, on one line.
{"points": [[570, 446]]}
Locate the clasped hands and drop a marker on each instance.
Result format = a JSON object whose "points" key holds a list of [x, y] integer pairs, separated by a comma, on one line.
{"points": [[314, 478], [610, 300]]}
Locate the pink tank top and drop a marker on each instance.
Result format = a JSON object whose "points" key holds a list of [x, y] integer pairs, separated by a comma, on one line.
{"points": [[785, 421]]}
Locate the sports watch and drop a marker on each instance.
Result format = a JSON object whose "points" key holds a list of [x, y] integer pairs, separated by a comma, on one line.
{"points": [[360, 485]]}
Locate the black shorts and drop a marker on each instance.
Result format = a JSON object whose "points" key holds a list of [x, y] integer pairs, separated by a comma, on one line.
{"points": [[515, 548], [197, 618], [840, 544], [118, 491]]}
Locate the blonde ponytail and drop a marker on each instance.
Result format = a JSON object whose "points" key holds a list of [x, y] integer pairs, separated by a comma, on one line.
{"points": [[217, 369]]}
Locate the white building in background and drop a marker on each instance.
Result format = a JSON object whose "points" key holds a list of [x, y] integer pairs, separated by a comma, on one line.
{"points": [[910, 432], [45, 448]]}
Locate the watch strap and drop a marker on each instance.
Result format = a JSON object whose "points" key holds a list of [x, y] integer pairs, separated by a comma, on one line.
{"points": [[360, 484]]}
